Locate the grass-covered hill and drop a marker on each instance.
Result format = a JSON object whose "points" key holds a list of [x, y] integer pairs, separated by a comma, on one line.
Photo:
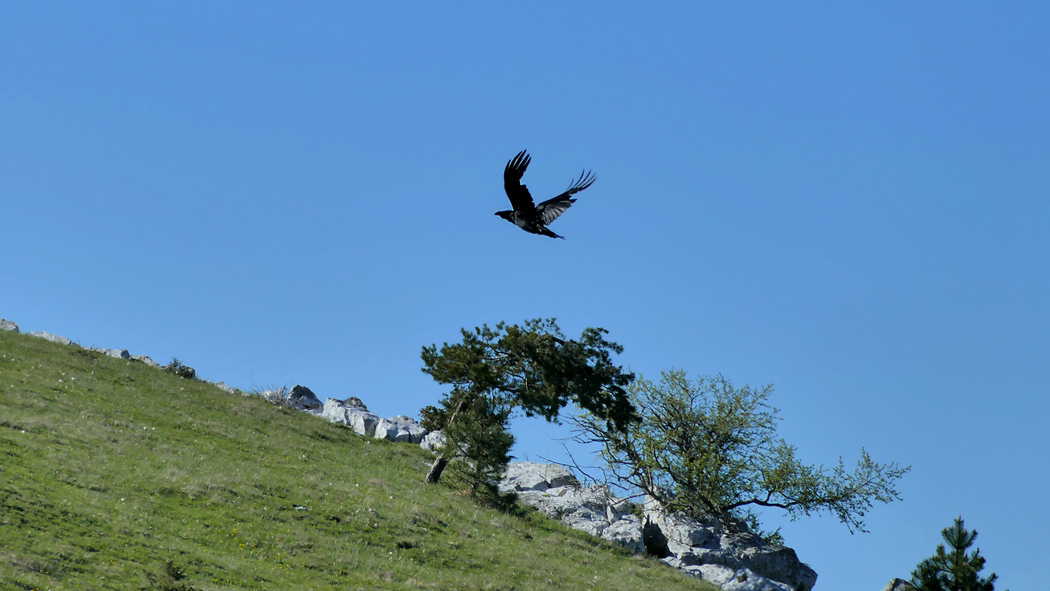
{"points": [[116, 475]]}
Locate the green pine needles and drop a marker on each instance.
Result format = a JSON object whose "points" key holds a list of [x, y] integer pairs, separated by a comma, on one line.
{"points": [[483, 443], [955, 570], [531, 368]]}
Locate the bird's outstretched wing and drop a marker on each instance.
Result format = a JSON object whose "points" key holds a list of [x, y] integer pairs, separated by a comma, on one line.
{"points": [[550, 209], [519, 196]]}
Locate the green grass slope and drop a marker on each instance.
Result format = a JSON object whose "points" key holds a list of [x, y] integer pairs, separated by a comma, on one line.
{"points": [[110, 468]]}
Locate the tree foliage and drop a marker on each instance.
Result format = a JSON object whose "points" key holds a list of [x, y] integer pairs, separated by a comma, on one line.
{"points": [[705, 447], [533, 368], [482, 443], [955, 570]]}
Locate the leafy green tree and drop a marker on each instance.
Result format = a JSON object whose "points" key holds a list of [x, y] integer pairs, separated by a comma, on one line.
{"points": [[956, 570], [704, 447], [533, 368]]}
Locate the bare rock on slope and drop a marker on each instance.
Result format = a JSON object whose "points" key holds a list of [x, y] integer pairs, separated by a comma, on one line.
{"points": [[302, 398], [54, 338], [401, 428], [361, 421]]}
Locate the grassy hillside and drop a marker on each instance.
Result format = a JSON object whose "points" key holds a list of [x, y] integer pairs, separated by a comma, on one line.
{"points": [[110, 468]]}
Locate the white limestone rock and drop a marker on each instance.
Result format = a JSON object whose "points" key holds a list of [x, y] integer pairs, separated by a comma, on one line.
{"points": [[533, 476], [712, 573], [556, 493], [8, 325], [115, 353], [586, 520], [683, 533], [360, 421], [898, 585], [746, 580], [735, 560], [778, 563], [147, 360], [757, 566], [228, 389], [401, 428], [54, 338], [556, 503], [302, 398], [433, 441], [355, 402], [700, 556], [627, 533]]}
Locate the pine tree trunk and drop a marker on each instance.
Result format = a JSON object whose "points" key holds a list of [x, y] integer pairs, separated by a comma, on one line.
{"points": [[436, 469], [439, 464]]}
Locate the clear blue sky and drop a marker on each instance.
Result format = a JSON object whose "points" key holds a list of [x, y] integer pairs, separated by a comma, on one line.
{"points": [[845, 200]]}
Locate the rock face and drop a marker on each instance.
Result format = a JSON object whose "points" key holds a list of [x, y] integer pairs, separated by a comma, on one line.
{"points": [[734, 560], [302, 398], [532, 476], [433, 441], [222, 386], [361, 421], [8, 325], [354, 414], [183, 371], [400, 428], [898, 585], [115, 353], [355, 402], [147, 360], [54, 338], [556, 493]]}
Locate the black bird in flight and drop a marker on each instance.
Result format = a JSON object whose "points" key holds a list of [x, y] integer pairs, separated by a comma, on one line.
{"points": [[535, 218]]}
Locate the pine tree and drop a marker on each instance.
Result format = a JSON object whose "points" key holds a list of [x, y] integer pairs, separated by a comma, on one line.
{"points": [[482, 445], [955, 570], [532, 368]]}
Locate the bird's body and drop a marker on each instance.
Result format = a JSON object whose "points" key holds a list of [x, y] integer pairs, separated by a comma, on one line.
{"points": [[528, 216]]}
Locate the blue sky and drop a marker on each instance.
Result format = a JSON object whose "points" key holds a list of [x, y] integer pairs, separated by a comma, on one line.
{"points": [[845, 200]]}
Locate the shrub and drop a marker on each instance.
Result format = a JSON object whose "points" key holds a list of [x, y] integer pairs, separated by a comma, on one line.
{"points": [[183, 371]]}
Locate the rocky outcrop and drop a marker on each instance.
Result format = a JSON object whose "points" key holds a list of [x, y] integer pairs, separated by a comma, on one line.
{"points": [[222, 386], [736, 560], [355, 402], [302, 398], [54, 338], [726, 553], [145, 359], [183, 371], [8, 325], [533, 476], [401, 428], [898, 585], [433, 441], [354, 414], [359, 419], [556, 493], [115, 353]]}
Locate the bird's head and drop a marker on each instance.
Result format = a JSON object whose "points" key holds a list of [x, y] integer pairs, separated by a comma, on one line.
{"points": [[506, 215]]}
